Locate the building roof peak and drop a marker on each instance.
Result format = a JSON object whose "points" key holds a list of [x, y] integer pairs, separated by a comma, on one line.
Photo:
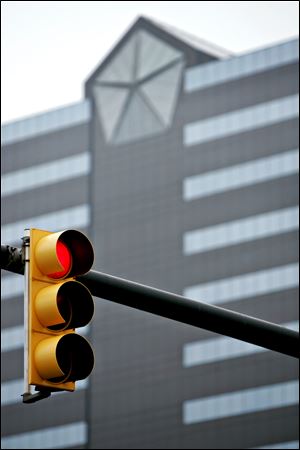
{"points": [[193, 41], [196, 51]]}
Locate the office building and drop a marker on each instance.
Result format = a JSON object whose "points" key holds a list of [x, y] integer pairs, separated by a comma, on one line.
{"points": [[181, 165]]}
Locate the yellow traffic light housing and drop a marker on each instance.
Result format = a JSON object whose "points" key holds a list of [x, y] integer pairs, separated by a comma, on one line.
{"points": [[57, 356]]}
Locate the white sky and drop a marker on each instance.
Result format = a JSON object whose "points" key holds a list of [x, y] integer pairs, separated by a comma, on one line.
{"points": [[49, 48]]}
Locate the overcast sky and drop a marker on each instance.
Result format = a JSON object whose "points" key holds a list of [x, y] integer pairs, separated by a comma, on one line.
{"points": [[50, 48]]}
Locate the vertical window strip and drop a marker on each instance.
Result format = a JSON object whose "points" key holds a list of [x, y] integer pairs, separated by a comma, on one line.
{"points": [[249, 173], [45, 174], [241, 120]]}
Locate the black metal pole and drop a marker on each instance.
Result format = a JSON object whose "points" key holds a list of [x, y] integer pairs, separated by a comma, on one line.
{"points": [[176, 307], [12, 259], [202, 315]]}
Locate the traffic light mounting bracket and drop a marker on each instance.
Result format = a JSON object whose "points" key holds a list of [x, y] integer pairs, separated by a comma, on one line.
{"points": [[33, 398]]}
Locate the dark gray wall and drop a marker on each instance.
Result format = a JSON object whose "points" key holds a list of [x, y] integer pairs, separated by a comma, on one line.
{"points": [[138, 384]]}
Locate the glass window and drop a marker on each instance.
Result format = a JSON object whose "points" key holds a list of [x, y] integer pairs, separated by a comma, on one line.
{"points": [[281, 445], [11, 286], [74, 434], [76, 217], [241, 402], [12, 338], [241, 120], [12, 390], [221, 348], [260, 170], [45, 174], [214, 73], [46, 122], [246, 285], [242, 230]]}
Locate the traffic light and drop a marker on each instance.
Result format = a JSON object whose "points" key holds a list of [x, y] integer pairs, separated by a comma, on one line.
{"points": [[57, 355]]}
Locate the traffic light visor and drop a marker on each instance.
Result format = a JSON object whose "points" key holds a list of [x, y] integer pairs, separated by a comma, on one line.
{"points": [[64, 306], [62, 359], [64, 254]]}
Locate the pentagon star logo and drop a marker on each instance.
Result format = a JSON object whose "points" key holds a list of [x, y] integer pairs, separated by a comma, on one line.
{"points": [[136, 92]]}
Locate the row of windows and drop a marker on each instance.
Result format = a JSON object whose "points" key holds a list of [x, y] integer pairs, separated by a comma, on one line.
{"points": [[11, 285], [221, 348], [218, 72], [45, 174], [240, 402], [242, 230], [240, 175], [241, 120], [281, 445], [75, 217], [45, 123], [246, 286], [74, 434]]}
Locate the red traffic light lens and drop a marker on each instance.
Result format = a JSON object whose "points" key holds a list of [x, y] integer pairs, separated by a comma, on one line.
{"points": [[65, 258]]}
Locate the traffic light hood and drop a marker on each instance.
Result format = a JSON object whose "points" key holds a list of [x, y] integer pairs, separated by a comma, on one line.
{"points": [[50, 261]]}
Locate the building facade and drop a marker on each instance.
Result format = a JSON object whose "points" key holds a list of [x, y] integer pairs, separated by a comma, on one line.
{"points": [[181, 164]]}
